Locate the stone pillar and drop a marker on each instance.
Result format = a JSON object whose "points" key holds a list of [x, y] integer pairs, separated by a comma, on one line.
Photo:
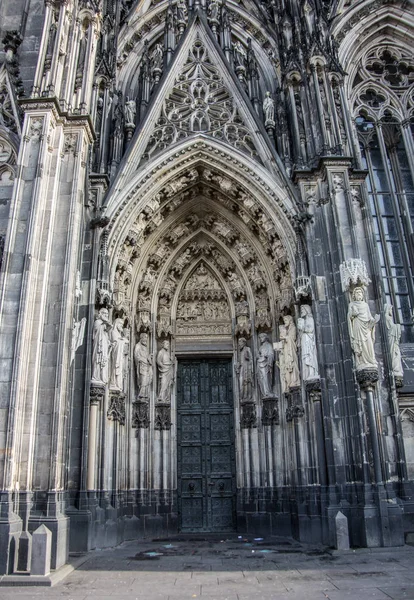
{"points": [[41, 551], [96, 399]]}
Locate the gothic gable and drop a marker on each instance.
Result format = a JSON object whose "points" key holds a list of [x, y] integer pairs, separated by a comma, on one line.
{"points": [[199, 96]]}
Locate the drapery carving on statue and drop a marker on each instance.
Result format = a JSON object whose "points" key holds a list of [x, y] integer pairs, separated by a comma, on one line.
{"points": [[265, 362], [255, 277], [200, 102], [101, 348], [244, 370], [165, 364], [244, 252], [169, 286], [235, 285], [143, 365], [148, 280], [361, 325], [160, 254], [182, 229], [202, 307], [118, 341], [181, 182], [289, 365], [122, 280], [307, 342], [243, 323], [394, 337]]}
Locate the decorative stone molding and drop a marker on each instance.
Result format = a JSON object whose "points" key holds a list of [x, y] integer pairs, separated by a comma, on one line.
{"points": [[294, 408], [248, 418], [367, 378], [353, 272], [270, 411], [96, 394], [162, 419], [116, 410], [243, 324], [302, 287], [140, 415]]}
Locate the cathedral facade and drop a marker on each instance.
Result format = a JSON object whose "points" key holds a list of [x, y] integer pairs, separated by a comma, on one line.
{"points": [[207, 250]]}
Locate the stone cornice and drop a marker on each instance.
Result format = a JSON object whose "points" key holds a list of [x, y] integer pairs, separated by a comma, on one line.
{"points": [[67, 120]]}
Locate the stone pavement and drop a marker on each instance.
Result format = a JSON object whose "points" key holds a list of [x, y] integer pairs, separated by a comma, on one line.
{"points": [[232, 569]]}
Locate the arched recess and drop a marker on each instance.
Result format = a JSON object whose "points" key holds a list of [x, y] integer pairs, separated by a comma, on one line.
{"points": [[195, 208]]}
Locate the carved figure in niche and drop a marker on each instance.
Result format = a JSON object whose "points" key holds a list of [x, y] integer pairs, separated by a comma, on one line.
{"points": [[130, 112], [361, 326], [394, 337], [182, 11], [213, 10], [265, 363], [235, 284], [269, 108], [239, 54], [143, 364], [118, 341], [157, 57], [165, 372], [290, 370], [306, 327], [101, 348], [244, 369]]}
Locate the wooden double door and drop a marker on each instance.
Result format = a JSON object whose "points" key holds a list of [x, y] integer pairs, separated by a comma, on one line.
{"points": [[206, 454]]}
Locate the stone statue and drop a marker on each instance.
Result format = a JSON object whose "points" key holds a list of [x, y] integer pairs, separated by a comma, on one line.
{"points": [[361, 326], [101, 348], [165, 366], [290, 370], [306, 328], [239, 54], [213, 10], [244, 369], [265, 362], [269, 108], [118, 341], [394, 337], [182, 11], [143, 364], [157, 57], [130, 112]]}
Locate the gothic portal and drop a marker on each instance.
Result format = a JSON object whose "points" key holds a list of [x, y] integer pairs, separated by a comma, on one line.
{"points": [[207, 294]]}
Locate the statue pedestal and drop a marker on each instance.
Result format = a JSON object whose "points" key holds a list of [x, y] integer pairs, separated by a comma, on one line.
{"points": [[270, 413]]}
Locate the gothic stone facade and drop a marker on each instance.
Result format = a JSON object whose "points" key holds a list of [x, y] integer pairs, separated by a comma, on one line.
{"points": [[206, 221]]}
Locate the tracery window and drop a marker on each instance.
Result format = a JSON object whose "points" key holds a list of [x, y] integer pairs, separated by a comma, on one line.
{"points": [[383, 103]]}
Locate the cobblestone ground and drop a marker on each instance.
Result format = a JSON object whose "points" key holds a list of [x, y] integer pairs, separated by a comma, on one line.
{"points": [[232, 569]]}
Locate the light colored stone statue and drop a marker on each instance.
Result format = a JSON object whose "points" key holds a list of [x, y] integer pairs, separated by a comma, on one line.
{"points": [[157, 57], [182, 11], [130, 112], [118, 341], [394, 337], [239, 54], [290, 371], [361, 326], [306, 328], [265, 363], [244, 369], [269, 108], [143, 365], [165, 366], [101, 348]]}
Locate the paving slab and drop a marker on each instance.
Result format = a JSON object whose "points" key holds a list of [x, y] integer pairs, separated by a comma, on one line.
{"points": [[210, 569]]}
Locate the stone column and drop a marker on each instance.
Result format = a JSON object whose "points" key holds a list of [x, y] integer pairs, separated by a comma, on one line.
{"points": [[96, 399]]}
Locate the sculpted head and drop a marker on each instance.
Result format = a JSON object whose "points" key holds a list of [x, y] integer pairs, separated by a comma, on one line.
{"points": [[119, 324], [358, 294], [305, 310], [287, 320], [143, 338], [263, 337], [242, 343], [104, 314], [166, 345]]}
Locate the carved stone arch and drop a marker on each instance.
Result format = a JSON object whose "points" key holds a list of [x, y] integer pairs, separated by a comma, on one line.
{"points": [[375, 99], [131, 198]]}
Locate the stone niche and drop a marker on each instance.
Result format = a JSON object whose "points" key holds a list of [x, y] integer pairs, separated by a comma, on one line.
{"points": [[203, 317]]}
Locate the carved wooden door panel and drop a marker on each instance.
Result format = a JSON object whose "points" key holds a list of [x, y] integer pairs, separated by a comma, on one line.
{"points": [[206, 458]]}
